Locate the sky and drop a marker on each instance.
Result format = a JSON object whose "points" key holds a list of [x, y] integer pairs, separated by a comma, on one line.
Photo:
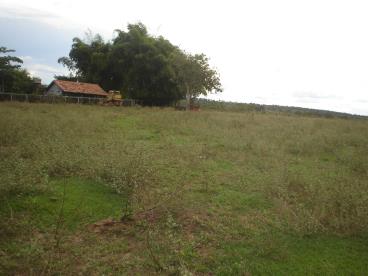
{"points": [[298, 53]]}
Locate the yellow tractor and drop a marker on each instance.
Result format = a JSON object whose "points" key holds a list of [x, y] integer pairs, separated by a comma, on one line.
{"points": [[113, 98]]}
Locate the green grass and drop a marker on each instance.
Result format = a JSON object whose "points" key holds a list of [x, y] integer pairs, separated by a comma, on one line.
{"points": [[78, 202], [204, 192], [296, 256], [67, 206]]}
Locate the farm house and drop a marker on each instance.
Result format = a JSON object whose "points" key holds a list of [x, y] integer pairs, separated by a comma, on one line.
{"points": [[75, 89]]}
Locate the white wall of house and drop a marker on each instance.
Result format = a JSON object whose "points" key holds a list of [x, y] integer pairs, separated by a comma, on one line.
{"points": [[54, 90]]}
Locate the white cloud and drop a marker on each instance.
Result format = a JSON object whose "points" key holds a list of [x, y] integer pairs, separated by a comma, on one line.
{"points": [[24, 13], [316, 96], [41, 70], [19, 12]]}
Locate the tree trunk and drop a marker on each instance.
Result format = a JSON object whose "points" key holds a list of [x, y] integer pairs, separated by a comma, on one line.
{"points": [[187, 108]]}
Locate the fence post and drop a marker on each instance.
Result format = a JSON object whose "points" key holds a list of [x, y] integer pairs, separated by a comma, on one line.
{"points": [[11, 97], [78, 99], [26, 97]]}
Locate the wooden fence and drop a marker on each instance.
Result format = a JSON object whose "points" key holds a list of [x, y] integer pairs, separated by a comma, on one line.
{"points": [[57, 99]]}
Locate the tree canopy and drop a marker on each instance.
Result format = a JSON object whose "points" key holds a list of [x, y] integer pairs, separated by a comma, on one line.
{"points": [[12, 77], [142, 66], [194, 75]]}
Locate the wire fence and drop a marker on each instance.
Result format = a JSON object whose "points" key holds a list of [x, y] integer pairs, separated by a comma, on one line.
{"points": [[60, 99]]}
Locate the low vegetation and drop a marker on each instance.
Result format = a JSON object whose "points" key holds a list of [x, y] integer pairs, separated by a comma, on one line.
{"points": [[105, 190], [207, 104]]}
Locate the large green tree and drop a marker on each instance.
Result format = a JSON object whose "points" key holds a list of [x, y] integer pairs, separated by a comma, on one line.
{"points": [[87, 60], [142, 66], [194, 76], [12, 77]]}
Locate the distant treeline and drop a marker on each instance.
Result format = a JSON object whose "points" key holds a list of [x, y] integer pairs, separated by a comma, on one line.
{"points": [[247, 107]]}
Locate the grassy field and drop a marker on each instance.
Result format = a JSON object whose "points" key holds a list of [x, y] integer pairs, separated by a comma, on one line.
{"points": [[142, 191]]}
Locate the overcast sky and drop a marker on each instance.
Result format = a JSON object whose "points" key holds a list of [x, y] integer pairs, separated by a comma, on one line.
{"points": [[300, 53]]}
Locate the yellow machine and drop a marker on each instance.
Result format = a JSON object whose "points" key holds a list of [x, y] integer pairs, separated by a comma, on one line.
{"points": [[114, 98]]}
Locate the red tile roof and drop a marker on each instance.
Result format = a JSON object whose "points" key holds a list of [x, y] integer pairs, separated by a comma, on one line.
{"points": [[80, 87]]}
